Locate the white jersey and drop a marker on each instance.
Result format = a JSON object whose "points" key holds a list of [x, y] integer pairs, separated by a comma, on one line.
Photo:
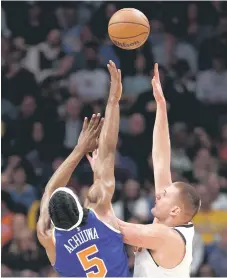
{"points": [[145, 265]]}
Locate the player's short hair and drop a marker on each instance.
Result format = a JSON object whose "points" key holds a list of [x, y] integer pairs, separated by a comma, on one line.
{"points": [[65, 210], [190, 198]]}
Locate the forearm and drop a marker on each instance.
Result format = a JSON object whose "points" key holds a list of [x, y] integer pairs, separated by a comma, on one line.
{"points": [[61, 176], [129, 231], [161, 152], [104, 169], [109, 134], [145, 236]]}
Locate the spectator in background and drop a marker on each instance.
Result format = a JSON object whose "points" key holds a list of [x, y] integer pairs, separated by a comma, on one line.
{"points": [[6, 218], [46, 55], [17, 82], [206, 271], [136, 136], [184, 50], [107, 51], [198, 253], [18, 224], [4, 27], [69, 130], [203, 163], [215, 45], [213, 80], [92, 83], [138, 83], [100, 19], [126, 164], [49, 60], [160, 41], [133, 204], [5, 181], [196, 32], [209, 222], [5, 50], [39, 150], [219, 200], [21, 191], [182, 98], [23, 253], [218, 257], [33, 215], [24, 124], [71, 31], [179, 158], [222, 150], [34, 31]]}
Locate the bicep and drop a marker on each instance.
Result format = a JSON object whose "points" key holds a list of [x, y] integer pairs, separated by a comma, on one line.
{"points": [[146, 236], [162, 178]]}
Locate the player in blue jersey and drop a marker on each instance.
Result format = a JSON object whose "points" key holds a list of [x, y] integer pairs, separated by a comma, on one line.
{"points": [[85, 241]]}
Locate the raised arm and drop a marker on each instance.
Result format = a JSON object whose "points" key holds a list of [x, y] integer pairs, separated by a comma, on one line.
{"points": [[86, 142], [103, 166], [161, 152], [150, 236]]}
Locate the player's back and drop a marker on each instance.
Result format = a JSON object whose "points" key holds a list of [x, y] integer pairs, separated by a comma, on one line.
{"points": [[92, 250]]}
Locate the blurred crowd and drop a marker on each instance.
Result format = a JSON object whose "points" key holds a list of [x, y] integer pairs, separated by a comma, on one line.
{"points": [[53, 61]]}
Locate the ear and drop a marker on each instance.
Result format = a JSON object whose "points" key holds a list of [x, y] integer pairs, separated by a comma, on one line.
{"points": [[175, 211]]}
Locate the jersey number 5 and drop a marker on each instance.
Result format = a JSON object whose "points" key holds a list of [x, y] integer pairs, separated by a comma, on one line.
{"points": [[89, 263]]}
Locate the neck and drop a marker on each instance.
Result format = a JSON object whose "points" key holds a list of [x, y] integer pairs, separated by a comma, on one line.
{"points": [[170, 222]]}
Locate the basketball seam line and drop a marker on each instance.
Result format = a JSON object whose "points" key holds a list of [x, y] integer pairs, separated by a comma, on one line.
{"points": [[128, 37], [129, 23]]}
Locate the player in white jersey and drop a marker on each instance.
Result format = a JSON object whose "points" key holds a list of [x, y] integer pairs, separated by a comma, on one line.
{"points": [[164, 247]]}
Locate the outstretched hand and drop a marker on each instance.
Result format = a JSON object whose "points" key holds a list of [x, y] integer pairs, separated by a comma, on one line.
{"points": [[89, 135], [116, 84], [157, 87]]}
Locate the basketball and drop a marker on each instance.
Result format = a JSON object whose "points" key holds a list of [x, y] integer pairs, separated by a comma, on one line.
{"points": [[128, 28]]}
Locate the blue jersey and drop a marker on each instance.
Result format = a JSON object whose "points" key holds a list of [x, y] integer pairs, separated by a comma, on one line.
{"points": [[93, 250]]}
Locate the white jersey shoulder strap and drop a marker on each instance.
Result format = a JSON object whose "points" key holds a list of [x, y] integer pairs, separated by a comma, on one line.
{"points": [[186, 232]]}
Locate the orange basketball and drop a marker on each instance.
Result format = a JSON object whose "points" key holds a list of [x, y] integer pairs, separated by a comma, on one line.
{"points": [[128, 28]]}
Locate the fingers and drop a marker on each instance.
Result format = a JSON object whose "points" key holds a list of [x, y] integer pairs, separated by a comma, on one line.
{"points": [[85, 123], [113, 70], [92, 121], [156, 72], [96, 121], [99, 128], [96, 124], [154, 85]]}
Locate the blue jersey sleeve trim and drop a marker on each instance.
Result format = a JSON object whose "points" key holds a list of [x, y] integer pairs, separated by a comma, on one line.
{"points": [[106, 224]]}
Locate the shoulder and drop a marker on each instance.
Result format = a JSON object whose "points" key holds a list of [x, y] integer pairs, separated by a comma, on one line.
{"points": [[171, 236]]}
